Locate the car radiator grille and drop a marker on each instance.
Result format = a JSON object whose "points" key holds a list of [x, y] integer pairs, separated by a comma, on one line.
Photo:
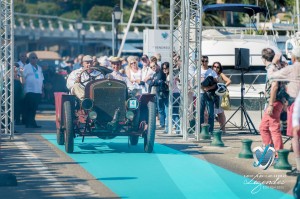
{"points": [[108, 96]]}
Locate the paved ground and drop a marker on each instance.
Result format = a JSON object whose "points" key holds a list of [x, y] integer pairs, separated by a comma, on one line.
{"points": [[43, 171]]}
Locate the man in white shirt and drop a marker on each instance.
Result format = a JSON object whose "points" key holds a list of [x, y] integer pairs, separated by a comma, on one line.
{"points": [[32, 79], [77, 79], [206, 101], [115, 63]]}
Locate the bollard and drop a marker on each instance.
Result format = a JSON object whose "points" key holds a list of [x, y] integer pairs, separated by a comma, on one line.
{"points": [[217, 141], [246, 149], [283, 163], [204, 132]]}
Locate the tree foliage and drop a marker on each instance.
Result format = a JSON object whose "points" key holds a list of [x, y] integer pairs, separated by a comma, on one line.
{"points": [[75, 14], [100, 10], [100, 13], [48, 8]]}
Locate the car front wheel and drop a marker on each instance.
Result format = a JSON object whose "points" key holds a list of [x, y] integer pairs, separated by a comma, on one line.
{"points": [[150, 135], [69, 128]]}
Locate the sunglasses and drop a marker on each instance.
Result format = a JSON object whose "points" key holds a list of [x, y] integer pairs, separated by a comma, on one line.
{"points": [[204, 61], [216, 66], [133, 63]]}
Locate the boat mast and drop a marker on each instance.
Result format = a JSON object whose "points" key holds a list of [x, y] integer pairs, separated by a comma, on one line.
{"points": [[298, 17], [257, 17]]}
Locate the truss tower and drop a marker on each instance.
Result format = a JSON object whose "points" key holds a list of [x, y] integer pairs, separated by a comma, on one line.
{"points": [[6, 67], [186, 29]]}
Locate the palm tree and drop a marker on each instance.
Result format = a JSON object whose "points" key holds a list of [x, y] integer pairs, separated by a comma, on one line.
{"points": [[210, 18]]}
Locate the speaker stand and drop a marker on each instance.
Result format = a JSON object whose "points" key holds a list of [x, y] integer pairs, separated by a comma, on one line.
{"points": [[244, 113]]}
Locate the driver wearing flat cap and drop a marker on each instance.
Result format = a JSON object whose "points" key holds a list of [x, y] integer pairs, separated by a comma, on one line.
{"points": [[80, 77], [115, 74]]}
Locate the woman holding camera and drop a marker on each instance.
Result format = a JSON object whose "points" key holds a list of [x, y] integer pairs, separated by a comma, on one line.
{"points": [[222, 78]]}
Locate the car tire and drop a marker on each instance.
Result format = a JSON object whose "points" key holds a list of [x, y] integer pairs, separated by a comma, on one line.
{"points": [[134, 140], [69, 128], [60, 137], [150, 135]]}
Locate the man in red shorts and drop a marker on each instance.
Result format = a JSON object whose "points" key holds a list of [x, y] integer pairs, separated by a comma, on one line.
{"points": [[291, 74]]}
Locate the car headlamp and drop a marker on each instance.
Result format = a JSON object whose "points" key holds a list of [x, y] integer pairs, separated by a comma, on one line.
{"points": [[87, 104], [130, 115], [92, 115], [132, 104]]}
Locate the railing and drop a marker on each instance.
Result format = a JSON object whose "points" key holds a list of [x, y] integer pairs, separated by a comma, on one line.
{"points": [[254, 84], [47, 21], [51, 22]]}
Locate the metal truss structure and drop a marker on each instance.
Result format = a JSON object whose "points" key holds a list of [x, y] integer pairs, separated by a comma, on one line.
{"points": [[6, 67], [186, 29]]}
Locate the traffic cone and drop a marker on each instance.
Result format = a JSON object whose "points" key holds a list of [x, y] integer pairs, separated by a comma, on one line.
{"points": [[217, 141], [283, 163], [204, 132], [246, 149]]}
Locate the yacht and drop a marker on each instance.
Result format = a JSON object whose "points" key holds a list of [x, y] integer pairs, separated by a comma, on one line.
{"points": [[219, 45]]}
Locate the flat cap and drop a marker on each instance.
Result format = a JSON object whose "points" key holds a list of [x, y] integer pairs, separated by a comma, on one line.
{"points": [[87, 58]]}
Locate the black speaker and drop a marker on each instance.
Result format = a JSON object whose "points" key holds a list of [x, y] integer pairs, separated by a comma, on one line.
{"points": [[242, 58]]}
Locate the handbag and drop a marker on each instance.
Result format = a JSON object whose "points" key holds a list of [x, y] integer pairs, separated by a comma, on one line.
{"points": [[225, 104]]}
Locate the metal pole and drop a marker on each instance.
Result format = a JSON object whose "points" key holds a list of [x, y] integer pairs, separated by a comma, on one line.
{"points": [[171, 78], [127, 28], [82, 50], [183, 76], [78, 42], [154, 13], [11, 60], [113, 33], [116, 37], [257, 19], [298, 17], [198, 65], [121, 5]]}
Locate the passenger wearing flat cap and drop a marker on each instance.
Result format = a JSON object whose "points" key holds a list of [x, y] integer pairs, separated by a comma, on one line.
{"points": [[74, 79], [115, 74]]}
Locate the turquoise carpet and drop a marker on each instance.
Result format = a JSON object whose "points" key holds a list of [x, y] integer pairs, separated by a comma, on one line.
{"points": [[164, 174]]}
